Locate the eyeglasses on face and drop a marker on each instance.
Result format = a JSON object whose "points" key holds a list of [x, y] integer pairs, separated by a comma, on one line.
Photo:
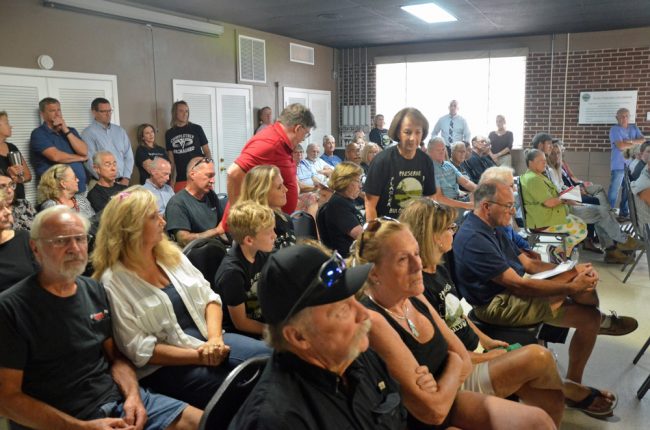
{"points": [[329, 273], [11, 185], [371, 227], [66, 241], [508, 206], [453, 227]]}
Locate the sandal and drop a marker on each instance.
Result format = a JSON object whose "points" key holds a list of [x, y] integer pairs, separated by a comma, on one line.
{"points": [[588, 401]]}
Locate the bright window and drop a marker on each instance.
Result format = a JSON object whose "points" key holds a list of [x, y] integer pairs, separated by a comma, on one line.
{"points": [[484, 88]]}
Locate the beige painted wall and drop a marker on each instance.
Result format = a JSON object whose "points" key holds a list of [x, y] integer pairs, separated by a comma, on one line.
{"points": [[84, 43]]}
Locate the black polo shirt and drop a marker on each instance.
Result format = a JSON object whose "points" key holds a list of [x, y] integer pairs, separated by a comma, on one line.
{"points": [[293, 394]]}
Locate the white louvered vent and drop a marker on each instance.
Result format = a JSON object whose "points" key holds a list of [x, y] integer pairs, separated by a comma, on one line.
{"points": [[301, 54], [252, 60], [75, 106]]}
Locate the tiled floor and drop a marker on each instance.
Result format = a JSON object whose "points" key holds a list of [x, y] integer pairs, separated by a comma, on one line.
{"points": [[610, 365]]}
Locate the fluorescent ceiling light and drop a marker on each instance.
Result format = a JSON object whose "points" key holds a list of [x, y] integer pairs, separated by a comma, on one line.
{"points": [[136, 14], [430, 13]]}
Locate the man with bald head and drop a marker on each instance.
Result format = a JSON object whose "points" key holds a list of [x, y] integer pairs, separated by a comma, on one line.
{"points": [[160, 172], [452, 127], [59, 366]]}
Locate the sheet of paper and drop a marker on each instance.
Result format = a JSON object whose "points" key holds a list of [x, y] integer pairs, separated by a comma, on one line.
{"points": [[572, 193], [560, 268]]}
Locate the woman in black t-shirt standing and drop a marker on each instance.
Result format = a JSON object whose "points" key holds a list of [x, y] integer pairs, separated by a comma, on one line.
{"points": [[18, 173], [501, 143], [402, 172], [184, 141], [147, 150]]}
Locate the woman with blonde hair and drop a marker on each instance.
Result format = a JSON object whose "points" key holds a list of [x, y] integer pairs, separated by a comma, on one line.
{"points": [[166, 319], [529, 372], [407, 332], [368, 153], [339, 220], [60, 186], [264, 185]]}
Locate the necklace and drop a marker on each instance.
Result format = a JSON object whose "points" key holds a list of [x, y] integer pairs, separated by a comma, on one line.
{"points": [[411, 325]]}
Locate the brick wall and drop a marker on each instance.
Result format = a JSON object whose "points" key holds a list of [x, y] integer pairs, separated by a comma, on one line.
{"points": [[593, 70]]}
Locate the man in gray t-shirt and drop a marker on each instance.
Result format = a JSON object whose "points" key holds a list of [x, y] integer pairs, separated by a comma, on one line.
{"points": [[194, 212]]}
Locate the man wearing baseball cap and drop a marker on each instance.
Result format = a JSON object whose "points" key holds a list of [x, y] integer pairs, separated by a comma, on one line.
{"points": [[321, 374]]}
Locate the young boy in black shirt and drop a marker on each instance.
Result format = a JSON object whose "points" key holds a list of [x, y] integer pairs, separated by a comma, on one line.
{"points": [[252, 228]]}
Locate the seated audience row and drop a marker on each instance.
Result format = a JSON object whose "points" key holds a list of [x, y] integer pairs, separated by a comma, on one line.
{"points": [[60, 366]]}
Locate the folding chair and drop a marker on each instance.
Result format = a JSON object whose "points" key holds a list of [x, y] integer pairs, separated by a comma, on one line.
{"points": [[231, 394], [206, 255], [304, 225], [637, 229]]}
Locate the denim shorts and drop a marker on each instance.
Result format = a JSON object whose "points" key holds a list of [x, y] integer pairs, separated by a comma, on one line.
{"points": [[161, 410]]}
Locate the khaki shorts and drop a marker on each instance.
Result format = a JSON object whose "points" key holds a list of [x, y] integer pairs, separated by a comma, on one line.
{"points": [[479, 380], [506, 309]]}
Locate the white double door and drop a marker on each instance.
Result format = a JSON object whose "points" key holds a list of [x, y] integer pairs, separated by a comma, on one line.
{"points": [[225, 112]]}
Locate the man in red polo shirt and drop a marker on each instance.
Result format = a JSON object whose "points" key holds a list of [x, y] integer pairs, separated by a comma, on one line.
{"points": [[273, 146]]}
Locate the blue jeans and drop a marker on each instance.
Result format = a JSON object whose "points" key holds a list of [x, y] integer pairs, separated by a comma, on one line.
{"points": [[197, 384], [614, 187]]}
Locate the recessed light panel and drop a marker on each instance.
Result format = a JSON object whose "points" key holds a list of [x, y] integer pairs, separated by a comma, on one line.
{"points": [[430, 13]]}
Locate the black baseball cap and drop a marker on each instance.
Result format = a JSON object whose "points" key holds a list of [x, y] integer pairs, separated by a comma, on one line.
{"points": [[290, 271]]}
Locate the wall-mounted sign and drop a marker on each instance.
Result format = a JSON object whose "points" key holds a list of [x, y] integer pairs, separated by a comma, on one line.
{"points": [[599, 107]]}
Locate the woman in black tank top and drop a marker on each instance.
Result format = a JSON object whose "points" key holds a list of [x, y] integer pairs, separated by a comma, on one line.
{"points": [[407, 333]]}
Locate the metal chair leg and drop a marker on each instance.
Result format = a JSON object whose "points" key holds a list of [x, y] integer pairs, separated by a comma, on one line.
{"points": [[644, 388], [636, 261], [642, 351]]}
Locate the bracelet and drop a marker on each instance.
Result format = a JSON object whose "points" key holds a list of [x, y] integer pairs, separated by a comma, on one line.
{"points": [[67, 133]]}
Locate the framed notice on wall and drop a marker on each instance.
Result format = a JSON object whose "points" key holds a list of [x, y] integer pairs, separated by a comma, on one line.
{"points": [[599, 107]]}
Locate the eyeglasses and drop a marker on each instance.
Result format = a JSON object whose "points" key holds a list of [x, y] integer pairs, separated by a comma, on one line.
{"points": [[65, 241], [329, 273], [371, 227], [205, 160], [453, 227], [508, 206], [11, 185]]}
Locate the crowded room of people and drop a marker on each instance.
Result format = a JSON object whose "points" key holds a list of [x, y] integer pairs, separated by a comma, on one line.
{"points": [[290, 214]]}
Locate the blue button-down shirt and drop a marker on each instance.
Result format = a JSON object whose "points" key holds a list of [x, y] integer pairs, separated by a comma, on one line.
{"points": [[447, 178], [112, 139]]}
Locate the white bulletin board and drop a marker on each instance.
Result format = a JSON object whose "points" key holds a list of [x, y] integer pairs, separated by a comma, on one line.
{"points": [[599, 107]]}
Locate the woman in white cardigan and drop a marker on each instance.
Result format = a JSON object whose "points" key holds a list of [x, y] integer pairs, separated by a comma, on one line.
{"points": [[166, 319]]}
